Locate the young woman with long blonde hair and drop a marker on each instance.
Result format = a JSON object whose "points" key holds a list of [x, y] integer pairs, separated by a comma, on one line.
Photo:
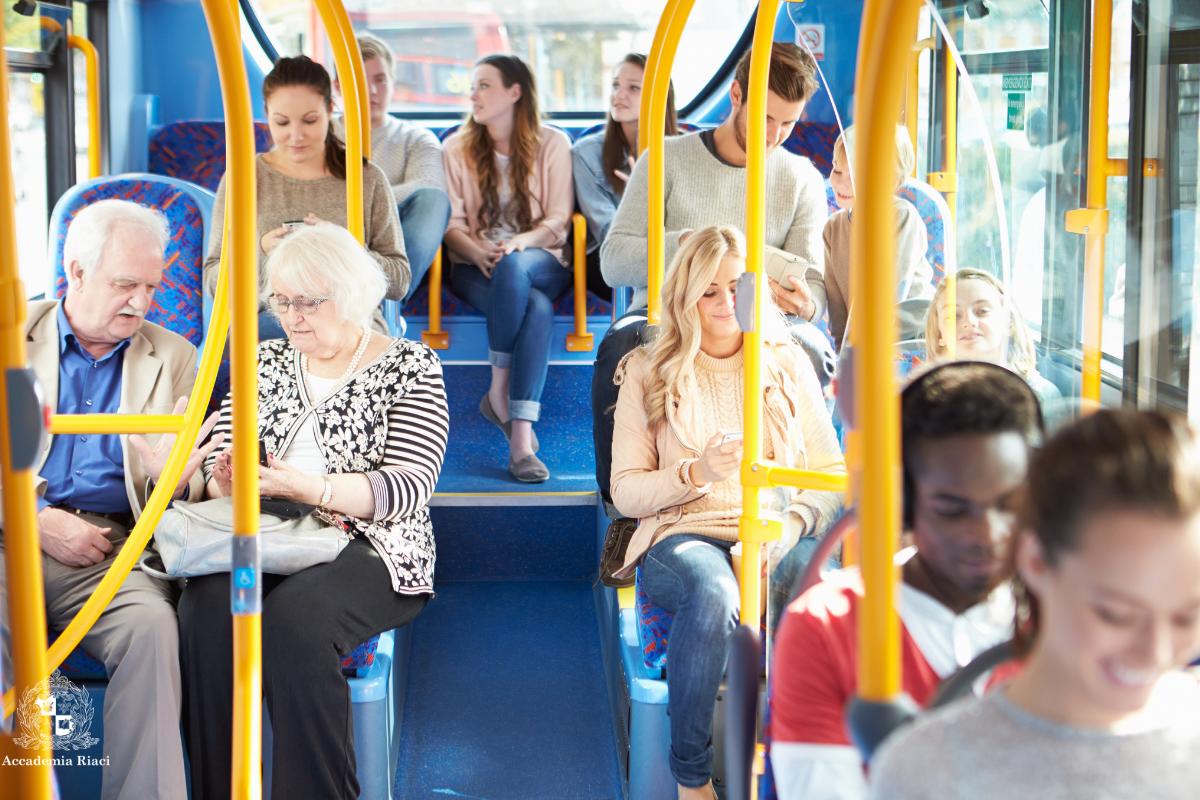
{"points": [[676, 452], [509, 181]]}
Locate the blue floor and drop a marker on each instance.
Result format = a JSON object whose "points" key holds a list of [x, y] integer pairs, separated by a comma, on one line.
{"points": [[506, 697], [477, 457]]}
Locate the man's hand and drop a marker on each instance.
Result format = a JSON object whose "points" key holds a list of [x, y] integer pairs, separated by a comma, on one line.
{"points": [[797, 300], [71, 539], [155, 458]]}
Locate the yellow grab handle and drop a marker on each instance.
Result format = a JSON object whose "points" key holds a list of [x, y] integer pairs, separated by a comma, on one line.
{"points": [[580, 341]]}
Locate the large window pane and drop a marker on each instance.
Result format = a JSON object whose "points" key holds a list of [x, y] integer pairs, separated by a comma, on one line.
{"points": [[572, 45], [1007, 25], [27, 127]]}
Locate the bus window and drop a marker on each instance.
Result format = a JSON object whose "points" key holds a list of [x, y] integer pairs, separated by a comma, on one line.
{"points": [[571, 47], [27, 128]]}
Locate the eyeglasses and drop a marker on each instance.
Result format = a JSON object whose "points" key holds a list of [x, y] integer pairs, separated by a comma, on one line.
{"points": [[305, 305]]}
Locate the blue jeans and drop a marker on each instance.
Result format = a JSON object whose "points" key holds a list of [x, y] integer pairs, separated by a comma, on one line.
{"points": [[786, 575], [423, 218], [518, 301], [692, 577]]}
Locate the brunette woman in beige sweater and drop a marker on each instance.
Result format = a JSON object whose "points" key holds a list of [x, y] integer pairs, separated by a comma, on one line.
{"points": [[675, 470]]}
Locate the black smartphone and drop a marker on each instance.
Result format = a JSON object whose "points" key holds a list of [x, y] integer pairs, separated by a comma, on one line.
{"points": [[294, 224], [262, 453]]}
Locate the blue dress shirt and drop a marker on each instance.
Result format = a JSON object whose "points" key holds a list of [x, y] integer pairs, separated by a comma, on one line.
{"points": [[86, 471]]}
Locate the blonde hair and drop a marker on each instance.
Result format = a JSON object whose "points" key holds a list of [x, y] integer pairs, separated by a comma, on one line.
{"points": [[325, 260], [672, 355], [1021, 357], [371, 46], [906, 158]]}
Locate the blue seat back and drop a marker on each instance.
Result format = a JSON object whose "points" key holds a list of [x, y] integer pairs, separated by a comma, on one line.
{"points": [[814, 140], [178, 304], [194, 150]]}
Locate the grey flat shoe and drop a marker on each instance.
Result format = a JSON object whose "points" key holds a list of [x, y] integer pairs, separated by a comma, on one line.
{"points": [[488, 413], [529, 469]]}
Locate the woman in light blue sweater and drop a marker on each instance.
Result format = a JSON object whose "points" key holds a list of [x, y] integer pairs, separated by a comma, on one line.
{"points": [[603, 160]]}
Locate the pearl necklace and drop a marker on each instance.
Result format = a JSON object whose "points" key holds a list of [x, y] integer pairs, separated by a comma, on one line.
{"points": [[354, 359]]}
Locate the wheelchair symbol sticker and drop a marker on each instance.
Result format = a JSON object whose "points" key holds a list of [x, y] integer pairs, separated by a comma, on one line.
{"points": [[243, 578]]}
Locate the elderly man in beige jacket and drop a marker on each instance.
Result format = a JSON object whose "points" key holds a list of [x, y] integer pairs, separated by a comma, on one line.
{"points": [[95, 353]]}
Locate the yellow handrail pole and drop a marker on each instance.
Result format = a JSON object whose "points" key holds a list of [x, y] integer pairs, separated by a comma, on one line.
{"points": [[656, 124], [1092, 221], [753, 530], [23, 557], [91, 63], [580, 340], [883, 48], [360, 74], [433, 335], [912, 96], [115, 423], [246, 595], [649, 74], [353, 117]]}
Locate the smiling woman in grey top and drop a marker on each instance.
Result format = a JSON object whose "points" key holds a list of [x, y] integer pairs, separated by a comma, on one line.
{"points": [[1107, 580]]}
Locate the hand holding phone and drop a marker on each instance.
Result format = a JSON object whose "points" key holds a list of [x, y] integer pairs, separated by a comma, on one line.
{"points": [[730, 438]]}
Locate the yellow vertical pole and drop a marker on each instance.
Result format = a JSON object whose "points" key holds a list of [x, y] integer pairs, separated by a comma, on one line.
{"points": [[653, 126], [752, 529], [883, 49], [91, 62], [650, 74], [579, 340], [245, 581], [949, 181], [1092, 221], [23, 552], [360, 75], [353, 116]]}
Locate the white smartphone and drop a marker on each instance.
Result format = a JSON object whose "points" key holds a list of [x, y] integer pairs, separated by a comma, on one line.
{"points": [[730, 438]]}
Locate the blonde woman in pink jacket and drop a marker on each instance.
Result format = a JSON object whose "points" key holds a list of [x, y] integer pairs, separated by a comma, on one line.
{"points": [[511, 196], [676, 451]]}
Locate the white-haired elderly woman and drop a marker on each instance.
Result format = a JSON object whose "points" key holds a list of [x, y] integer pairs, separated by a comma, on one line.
{"points": [[355, 423]]}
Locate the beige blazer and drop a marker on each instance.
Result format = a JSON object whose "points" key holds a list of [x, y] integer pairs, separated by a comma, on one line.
{"points": [[159, 368]]}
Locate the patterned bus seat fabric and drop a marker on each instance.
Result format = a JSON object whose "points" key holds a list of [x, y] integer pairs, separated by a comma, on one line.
{"points": [[934, 213], [195, 150], [80, 665], [360, 658], [653, 626], [814, 140], [178, 303]]}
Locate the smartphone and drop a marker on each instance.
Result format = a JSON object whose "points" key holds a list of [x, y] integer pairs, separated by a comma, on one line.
{"points": [[731, 438], [294, 224], [262, 453]]}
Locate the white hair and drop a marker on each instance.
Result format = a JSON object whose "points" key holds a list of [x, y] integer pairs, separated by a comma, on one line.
{"points": [[325, 260], [92, 227]]}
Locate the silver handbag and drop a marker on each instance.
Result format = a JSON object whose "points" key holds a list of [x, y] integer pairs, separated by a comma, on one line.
{"points": [[194, 539]]}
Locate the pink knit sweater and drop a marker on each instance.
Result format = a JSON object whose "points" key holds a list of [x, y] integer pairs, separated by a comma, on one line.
{"points": [[551, 192]]}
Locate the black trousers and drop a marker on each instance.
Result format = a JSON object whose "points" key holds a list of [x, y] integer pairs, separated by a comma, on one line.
{"points": [[309, 621]]}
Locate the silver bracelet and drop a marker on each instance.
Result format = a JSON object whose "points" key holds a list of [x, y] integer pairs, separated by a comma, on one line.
{"points": [[327, 493]]}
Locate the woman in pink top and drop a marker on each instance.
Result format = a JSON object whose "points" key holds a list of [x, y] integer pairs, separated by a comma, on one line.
{"points": [[509, 180]]}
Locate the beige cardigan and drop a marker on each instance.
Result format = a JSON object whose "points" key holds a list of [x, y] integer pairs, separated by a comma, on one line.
{"points": [[551, 192], [645, 463]]}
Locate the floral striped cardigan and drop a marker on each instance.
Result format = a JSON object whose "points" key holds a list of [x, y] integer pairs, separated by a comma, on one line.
{"points": [[389, 421]]}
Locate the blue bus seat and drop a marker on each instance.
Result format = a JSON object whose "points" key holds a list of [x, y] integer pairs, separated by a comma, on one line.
{"points": [[653, 627], [194, 150], [814, 140], [178, 304], [649, 727]]}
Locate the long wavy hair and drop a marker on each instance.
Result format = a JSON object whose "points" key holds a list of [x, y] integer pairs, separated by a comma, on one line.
{"points": [[672, 355], [615, 152], [526, 141], [1022, 358], [303, 71]]}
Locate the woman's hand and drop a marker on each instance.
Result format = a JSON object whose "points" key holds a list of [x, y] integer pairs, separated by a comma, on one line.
{"points": [[271, 239], [625, 175], [283, 481], [486, 255], [717, 462], [521, 241], [222, 473], [312, 219]]}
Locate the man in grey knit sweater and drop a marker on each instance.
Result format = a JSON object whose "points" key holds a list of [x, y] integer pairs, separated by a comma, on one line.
{"points": [[411, 157], [705, 184]]}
